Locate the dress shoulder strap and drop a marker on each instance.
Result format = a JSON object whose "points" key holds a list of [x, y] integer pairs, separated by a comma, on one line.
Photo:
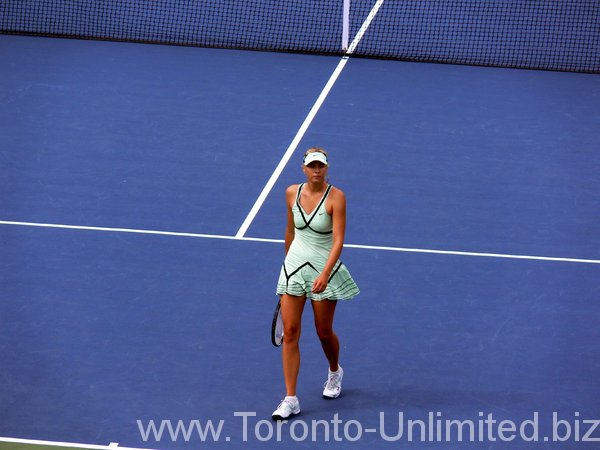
{"points": [[299, 191]]}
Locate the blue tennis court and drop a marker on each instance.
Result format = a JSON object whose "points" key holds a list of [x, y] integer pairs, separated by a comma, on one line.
{"points": [[137, 287]]}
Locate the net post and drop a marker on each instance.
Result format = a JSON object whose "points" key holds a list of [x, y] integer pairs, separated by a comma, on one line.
{"points": [[345, 25]]}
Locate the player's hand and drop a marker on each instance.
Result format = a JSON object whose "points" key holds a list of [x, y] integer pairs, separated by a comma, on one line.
{"points": [[320, 284]]}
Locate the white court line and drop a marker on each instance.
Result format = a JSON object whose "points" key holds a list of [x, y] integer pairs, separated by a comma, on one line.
{"points": [[116, 230], [459, 253], [280, 241], [292, 147], [65, 444], [365, 26], [311, 115]]}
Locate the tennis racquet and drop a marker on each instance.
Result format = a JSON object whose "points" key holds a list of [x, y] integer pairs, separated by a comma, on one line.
{"points": [[277, 326]]}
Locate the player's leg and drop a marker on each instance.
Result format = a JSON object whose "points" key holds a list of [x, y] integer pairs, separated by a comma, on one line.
{"points": [[324, 311], [291, 314]]}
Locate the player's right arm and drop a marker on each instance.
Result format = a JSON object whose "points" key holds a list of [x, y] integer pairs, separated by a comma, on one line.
{"points": [[290, 229]]}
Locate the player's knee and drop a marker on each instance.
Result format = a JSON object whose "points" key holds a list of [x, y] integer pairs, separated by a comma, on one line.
{"points": [[325, 333], [291, 333]]}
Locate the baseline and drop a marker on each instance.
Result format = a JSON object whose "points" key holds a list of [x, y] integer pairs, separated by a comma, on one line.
{"points": [[35, 442]]}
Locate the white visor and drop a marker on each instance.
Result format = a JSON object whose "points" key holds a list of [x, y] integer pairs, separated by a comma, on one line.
{"points": [[315, 156]]}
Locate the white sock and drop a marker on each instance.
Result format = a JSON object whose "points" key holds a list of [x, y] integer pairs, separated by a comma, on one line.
{"points": [[293, 399]]}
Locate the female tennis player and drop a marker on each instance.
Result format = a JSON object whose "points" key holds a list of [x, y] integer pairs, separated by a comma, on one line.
{"points": [[316, 223]]}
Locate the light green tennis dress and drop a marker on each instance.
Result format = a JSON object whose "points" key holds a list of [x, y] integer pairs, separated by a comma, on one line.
{"points": [[308, 254]]}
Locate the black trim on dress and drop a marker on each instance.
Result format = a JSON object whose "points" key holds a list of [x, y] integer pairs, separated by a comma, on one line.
{"points": [[314, 213]]}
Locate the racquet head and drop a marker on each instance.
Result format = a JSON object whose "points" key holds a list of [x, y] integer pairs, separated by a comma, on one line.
{"points": [[277, 327]]}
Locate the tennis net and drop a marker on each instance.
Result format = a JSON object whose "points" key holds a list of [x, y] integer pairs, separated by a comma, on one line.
{"points": [[537, 34]]}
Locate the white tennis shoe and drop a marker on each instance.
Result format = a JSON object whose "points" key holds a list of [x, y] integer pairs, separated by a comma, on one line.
{"points": [[288, 407], [333, 385]]}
